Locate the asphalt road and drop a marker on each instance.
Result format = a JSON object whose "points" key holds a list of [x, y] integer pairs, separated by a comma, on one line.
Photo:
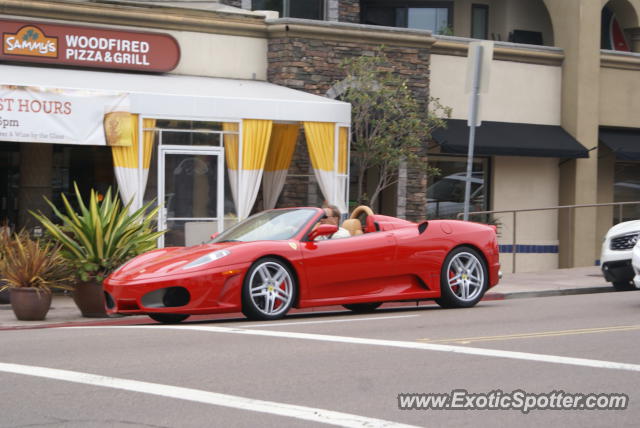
{"points": [[338, 368]]}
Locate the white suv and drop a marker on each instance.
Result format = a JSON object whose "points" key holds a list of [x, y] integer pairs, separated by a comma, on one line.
{"points": [[615, 258]]}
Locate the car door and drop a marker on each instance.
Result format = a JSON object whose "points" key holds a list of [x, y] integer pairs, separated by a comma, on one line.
{"points": [[338, 268]]}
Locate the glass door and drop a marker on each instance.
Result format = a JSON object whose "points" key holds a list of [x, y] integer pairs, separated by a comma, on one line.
{"points": [[191, 184]]}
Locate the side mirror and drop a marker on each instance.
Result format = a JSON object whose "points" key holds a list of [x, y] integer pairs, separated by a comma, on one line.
{"points": [[323, 230], [214, 235]]}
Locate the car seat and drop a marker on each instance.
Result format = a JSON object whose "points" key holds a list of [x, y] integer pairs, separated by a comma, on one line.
{"points": [[352, 225]]}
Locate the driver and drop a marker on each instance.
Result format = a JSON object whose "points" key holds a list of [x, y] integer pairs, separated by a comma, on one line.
{"points": [[332, 216]]}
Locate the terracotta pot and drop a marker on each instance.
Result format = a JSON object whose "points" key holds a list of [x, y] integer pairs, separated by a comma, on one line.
{"points": [[29, 304], [89, 297]]}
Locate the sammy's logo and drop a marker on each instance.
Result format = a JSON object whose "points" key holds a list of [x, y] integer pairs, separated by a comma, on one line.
{"points": [[30, 41]]}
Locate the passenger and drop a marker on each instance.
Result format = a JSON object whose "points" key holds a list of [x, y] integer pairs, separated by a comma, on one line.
{"points": [[332, 216]]}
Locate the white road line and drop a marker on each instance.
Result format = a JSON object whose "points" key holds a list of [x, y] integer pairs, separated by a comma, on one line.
{"points": [[281, 409], [277, 324], [514, 355]]}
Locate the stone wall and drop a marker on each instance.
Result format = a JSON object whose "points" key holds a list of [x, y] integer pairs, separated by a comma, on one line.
{"points": [[349, 11], [313, 65]]}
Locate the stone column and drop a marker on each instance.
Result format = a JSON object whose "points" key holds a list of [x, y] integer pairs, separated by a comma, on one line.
{"points": [[36, 171]]}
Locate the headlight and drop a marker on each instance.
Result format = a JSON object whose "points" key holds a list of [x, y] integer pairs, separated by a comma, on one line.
{"points": [[207, 258]]}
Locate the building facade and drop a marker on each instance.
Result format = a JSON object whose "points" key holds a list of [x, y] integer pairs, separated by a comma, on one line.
{"points": [[572, 65], [559, 124]]}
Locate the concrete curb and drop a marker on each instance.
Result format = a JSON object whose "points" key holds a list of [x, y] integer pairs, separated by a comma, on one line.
{"points": [[549, 293]]}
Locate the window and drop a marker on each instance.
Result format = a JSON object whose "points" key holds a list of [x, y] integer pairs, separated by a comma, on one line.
{"points": [[421, 15], [479, 21], [307, 9], [626, 188], [445, 193]]}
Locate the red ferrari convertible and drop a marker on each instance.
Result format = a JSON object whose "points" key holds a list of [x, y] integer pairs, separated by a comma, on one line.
{"points": [[282, 258]]}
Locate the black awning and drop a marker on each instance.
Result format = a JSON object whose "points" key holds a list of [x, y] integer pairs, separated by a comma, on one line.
{"points": [[510, 139], [625, 143]]}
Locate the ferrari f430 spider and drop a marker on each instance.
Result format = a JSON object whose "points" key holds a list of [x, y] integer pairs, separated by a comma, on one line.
{"points": [[274, 260]]}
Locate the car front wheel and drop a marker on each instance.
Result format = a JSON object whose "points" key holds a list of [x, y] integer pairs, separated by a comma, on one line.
{"points": [[463, 279], [269, 290]]}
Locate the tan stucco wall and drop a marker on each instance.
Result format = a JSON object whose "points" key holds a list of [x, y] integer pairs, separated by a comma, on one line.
{"points": [[619, 97], [538, 87], [217, 55], [520, 183], [606, 174]]}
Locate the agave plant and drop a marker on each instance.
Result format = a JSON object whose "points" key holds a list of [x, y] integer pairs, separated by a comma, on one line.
{"points": [[28, 263], [103, 235]]}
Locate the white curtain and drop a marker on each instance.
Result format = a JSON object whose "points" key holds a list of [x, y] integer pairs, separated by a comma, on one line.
{"points": [[281, 148]]}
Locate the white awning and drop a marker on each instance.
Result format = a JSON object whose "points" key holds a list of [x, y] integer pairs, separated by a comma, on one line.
{"points": [[188, 97]]}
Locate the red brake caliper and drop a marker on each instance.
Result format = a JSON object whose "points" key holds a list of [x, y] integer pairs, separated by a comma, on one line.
{"points": [[452, 274]]}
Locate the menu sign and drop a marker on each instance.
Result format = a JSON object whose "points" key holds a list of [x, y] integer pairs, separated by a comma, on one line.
{"points": [[88, 47]]}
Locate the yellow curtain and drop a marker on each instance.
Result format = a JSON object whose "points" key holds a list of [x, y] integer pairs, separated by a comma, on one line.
{"points": [[281, 147], [320, 143], [147, 141], [343, 148], [255, 143], [231, 145], [124, 143], [126, 156]]}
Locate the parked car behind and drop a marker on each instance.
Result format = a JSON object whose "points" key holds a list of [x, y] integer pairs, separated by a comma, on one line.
{"points": [[617, 249], [635, 264], [445, 197]]}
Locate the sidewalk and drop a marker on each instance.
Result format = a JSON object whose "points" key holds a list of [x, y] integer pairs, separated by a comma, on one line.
{"points": [[520, 285]]}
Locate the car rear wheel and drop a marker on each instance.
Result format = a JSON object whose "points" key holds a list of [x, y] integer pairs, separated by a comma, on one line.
{"points": [[363, 308], [623, 285], [169, 318], [463, 279], [269, 290]]}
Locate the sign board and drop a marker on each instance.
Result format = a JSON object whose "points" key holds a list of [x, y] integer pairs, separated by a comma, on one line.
{"points": [[49, 43], [40, 115], [485, 66]]}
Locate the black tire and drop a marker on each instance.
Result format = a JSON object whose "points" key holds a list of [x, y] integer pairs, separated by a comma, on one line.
{"points": [[363, 308], [169, 318], [474, 279], [274, 289], [623, 285]]}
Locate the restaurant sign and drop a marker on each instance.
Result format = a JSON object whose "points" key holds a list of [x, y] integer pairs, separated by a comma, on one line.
{"points": [[30, 114], [88, 47]]}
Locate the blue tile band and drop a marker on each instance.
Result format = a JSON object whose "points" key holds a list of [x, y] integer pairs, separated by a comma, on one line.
{"points": [[531, 249]]}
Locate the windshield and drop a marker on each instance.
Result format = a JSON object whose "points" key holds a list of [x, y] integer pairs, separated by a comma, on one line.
{"points": [[268, 226]]}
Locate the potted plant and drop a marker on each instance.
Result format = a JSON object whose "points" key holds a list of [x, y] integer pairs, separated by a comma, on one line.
{"points": [[30, 270], [97, 239]]}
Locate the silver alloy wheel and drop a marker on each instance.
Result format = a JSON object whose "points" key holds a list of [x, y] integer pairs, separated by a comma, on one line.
{"points": [[271, 288], [465, 276]]}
